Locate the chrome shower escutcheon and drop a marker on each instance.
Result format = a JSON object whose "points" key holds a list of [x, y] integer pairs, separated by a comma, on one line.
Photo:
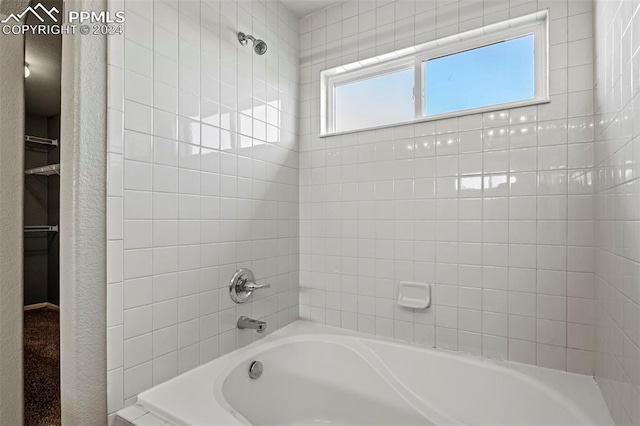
{"points": [[243, 284]]}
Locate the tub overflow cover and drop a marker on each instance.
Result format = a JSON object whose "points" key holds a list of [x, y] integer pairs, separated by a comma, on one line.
{"points": [[255, 370]]}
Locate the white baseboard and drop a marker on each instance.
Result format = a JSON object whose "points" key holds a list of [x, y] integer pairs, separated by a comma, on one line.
{"points": [[41, 306]]}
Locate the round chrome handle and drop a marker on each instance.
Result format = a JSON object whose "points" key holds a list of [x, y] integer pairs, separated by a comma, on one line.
{"points": [[243, 284]]}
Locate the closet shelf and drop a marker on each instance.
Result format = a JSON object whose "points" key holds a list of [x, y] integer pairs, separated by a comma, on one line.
{"points": [[44, 228], [52, 169], [41, 141]]}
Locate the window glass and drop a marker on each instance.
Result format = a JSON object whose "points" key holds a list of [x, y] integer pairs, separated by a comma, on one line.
{"points": [[490, 75], [375, 101]]}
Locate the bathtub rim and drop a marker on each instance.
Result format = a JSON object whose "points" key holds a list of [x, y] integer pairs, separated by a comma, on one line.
{"points": [[155, 399]]}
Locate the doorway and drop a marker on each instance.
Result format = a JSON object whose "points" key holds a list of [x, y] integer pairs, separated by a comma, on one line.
{"points": [[41, 276], [81, 229]]}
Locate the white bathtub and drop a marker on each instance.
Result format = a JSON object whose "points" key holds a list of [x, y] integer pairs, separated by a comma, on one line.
{"points": [[320, 375]]}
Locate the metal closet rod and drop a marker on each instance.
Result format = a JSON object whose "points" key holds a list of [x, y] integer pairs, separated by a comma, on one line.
{"points": [[41, 228], [41, 141], [51, 169]]}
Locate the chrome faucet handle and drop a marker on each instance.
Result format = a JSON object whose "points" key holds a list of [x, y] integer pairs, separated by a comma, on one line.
{"points": [[252, 286], [243, 284]]}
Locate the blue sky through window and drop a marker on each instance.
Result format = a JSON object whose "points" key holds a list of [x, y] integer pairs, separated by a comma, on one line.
{"points": [[489, 75]]}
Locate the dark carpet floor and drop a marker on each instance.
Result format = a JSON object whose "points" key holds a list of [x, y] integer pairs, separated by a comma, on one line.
{"points": [[41, 367]]}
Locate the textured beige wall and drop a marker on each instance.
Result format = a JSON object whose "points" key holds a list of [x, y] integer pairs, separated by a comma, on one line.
{"points": [[11, 194], [82, 225]]}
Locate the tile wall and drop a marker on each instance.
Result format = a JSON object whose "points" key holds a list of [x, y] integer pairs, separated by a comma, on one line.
{"points": [[617, 155], [202, 180], [495, 210]]}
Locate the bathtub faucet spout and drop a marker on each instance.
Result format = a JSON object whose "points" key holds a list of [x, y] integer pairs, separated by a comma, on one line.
{"points": [[251, 324]]}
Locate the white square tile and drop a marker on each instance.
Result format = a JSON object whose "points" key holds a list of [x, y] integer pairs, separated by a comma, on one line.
{"points": [[137, 292], [137, 175], [115, 128], [551, 332], [137, 263], [551, 356], [165, 260], [137, 117], [137, 350], [115, 175], [137, 321], [138, 88], [114, 304], [115, 265], [522, 328], [165, 368], [114, 347], [494, 347], [165, 124], [165, 96], [165, 314], [115, 390], [137, 379], [165, 341]]}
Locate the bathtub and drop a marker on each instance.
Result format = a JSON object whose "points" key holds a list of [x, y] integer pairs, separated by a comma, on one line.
{"points": [[313, 374]]}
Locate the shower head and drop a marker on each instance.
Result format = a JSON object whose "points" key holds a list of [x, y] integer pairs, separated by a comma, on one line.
{"points": [[259, 46]]}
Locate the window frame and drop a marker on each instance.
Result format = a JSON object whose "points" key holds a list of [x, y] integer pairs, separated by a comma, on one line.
{"points": [[377, 70], [535, 23]]}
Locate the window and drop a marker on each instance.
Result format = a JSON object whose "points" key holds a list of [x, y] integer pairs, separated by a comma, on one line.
{"points": [[500, 66], [365, 102], [496, 74]]}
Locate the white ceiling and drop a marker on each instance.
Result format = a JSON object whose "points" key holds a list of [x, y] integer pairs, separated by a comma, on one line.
{"points": [[43, 53], [304, 7]]}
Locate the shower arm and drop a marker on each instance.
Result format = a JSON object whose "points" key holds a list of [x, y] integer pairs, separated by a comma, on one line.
{"points": [[242, 38]]}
